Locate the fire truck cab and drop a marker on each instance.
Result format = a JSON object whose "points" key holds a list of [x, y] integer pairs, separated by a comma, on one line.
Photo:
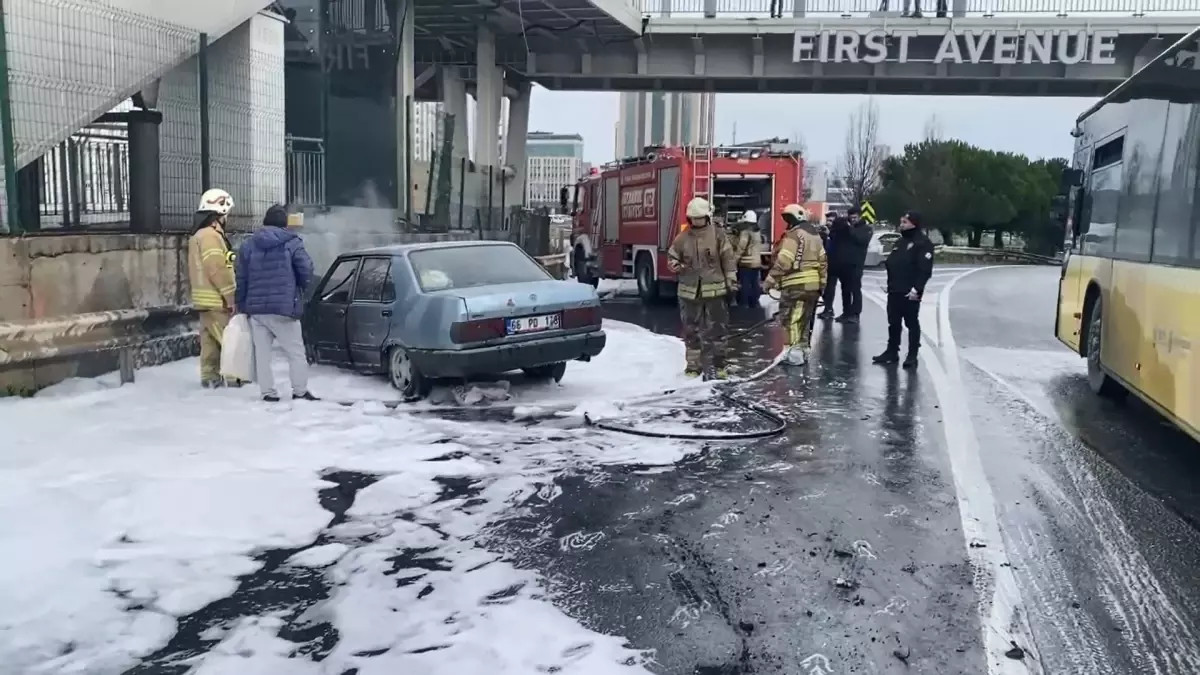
{"points": [[627, 213]]}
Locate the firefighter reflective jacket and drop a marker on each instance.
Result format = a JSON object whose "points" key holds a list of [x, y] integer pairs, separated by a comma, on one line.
{"points": [[210, 269], [800, 263], [704, 261], [747, 246]]}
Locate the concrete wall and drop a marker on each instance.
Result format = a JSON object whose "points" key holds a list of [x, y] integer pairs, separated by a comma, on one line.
{"points": [[246, 98], [55, 276], [56, 289]]}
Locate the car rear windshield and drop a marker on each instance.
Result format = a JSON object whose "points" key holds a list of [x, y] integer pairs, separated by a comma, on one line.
{"points": [[439, 269]]}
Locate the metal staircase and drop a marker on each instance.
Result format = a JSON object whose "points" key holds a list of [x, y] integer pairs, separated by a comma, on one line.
{"points": [[69, 66]]}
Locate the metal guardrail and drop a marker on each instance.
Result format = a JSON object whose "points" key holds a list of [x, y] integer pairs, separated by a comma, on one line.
{"points": [[1003, 253], [129, 338], [85, 179], [800, 8], [305, 171]]}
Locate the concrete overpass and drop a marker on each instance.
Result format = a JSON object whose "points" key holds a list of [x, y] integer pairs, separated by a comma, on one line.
{"points": [[997, 56]]}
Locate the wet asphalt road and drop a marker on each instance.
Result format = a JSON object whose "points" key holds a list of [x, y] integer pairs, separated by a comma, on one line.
{"points": [[834, 548], [1101, 500], [736, 560]]}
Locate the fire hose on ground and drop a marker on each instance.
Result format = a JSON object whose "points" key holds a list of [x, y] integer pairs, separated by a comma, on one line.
{"points": [[724, 392]]}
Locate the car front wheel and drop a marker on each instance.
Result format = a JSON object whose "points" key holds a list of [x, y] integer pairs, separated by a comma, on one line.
{"points": [[405, 377], [553, 371]]}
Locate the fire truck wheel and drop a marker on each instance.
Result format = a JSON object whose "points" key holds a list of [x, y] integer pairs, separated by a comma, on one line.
{"points": [[579, 268], [648, 287]]}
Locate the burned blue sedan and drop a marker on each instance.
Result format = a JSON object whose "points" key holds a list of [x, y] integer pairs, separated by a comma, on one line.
{"points": [[420, 312]]}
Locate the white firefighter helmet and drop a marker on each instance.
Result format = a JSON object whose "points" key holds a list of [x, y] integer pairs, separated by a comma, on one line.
{"points": [[750, 218], [434, 280], [796, 211], [699, 208], [216, 201]]}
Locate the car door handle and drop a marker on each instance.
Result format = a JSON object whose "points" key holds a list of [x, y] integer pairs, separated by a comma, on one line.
{"points": [[340, 312], [386, 312]]}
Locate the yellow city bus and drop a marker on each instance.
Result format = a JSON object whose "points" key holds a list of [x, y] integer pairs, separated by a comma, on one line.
{"points": [[1129, 294]]}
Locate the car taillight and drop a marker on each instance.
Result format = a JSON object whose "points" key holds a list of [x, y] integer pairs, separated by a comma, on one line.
{"points": [[580, 317], [480, 330]]}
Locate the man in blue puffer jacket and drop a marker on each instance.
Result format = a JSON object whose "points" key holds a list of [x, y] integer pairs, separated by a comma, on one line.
{"points": [[273, 271]]}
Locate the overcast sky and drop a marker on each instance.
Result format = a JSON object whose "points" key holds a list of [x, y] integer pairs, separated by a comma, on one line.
{"points": [[1038, 127]]}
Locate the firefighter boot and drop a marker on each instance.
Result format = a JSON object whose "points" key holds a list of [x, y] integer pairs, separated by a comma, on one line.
{"points": [[796, 356]]}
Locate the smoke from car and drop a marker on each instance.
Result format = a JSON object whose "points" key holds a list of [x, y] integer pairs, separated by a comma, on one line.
{"points": [[369, 222]]}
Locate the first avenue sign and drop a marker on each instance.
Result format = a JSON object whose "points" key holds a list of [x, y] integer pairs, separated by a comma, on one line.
{"points": [[959, 46]]}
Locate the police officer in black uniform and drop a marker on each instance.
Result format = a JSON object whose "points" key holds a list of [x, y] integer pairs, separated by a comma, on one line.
{"points": [[909, 266]]}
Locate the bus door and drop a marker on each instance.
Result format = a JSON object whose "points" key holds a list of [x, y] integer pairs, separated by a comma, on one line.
{"points": [[1071, 285]]}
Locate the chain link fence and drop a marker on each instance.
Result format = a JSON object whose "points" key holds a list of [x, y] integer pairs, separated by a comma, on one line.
{"points": [[450, 191], [82, 151]]}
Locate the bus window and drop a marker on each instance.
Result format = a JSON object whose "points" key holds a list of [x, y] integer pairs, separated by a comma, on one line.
{"points": [[1099, 206], [1139, 192], [1176, 186]]}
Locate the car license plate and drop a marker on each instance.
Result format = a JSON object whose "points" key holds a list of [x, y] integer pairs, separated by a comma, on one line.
{"points": [[533, 324]]}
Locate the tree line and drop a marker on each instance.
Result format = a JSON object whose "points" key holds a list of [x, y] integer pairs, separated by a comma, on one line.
{"points": [[962, 191]]}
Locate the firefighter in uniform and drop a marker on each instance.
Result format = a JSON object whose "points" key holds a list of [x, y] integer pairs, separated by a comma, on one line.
{"points": [[705, 263], [747, 245], [210, 271], [800, 271]]}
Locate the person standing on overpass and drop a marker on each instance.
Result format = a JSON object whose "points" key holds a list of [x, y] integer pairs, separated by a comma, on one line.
{"points": [[909, 267]]}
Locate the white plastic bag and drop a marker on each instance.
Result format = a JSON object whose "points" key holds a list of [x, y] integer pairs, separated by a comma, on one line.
{"points": [[237, 350]]}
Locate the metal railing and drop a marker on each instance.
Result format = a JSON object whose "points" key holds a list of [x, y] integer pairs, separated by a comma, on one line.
{"points": [[305, 171], [799, 8], [85, 179]]}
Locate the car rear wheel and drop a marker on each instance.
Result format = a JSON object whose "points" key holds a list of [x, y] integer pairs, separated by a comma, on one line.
{"points": [[1098, 380], [552, 371], [405, 377]]}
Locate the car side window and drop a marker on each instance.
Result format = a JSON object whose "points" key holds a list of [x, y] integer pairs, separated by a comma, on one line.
{"points": [[372, 280], [389, 286], [336, 288]]}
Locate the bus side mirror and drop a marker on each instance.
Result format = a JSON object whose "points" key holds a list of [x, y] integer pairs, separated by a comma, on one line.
{"points": [[1071, 178], [564, 197]]}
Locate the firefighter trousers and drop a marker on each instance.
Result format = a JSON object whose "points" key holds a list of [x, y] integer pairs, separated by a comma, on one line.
{"points": [[705, 329], [796, 309], [212, 332]]}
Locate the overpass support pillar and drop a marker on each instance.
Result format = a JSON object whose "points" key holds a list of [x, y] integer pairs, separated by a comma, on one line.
{"points": [[406, 68], [518, 130], [454, 102], [489, 89]]}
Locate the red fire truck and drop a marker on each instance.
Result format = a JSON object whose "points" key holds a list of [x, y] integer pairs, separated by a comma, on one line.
{"points": [[627, 213]]}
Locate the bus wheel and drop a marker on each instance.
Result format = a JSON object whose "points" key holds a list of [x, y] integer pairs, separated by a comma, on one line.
{"points": [[1099, 381], [643, 270]]}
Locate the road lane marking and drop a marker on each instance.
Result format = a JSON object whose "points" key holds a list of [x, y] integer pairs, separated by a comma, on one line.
{"points": [[1002, 619]]}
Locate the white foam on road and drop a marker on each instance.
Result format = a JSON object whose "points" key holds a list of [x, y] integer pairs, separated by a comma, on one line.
{"points": [[125, 508]]}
